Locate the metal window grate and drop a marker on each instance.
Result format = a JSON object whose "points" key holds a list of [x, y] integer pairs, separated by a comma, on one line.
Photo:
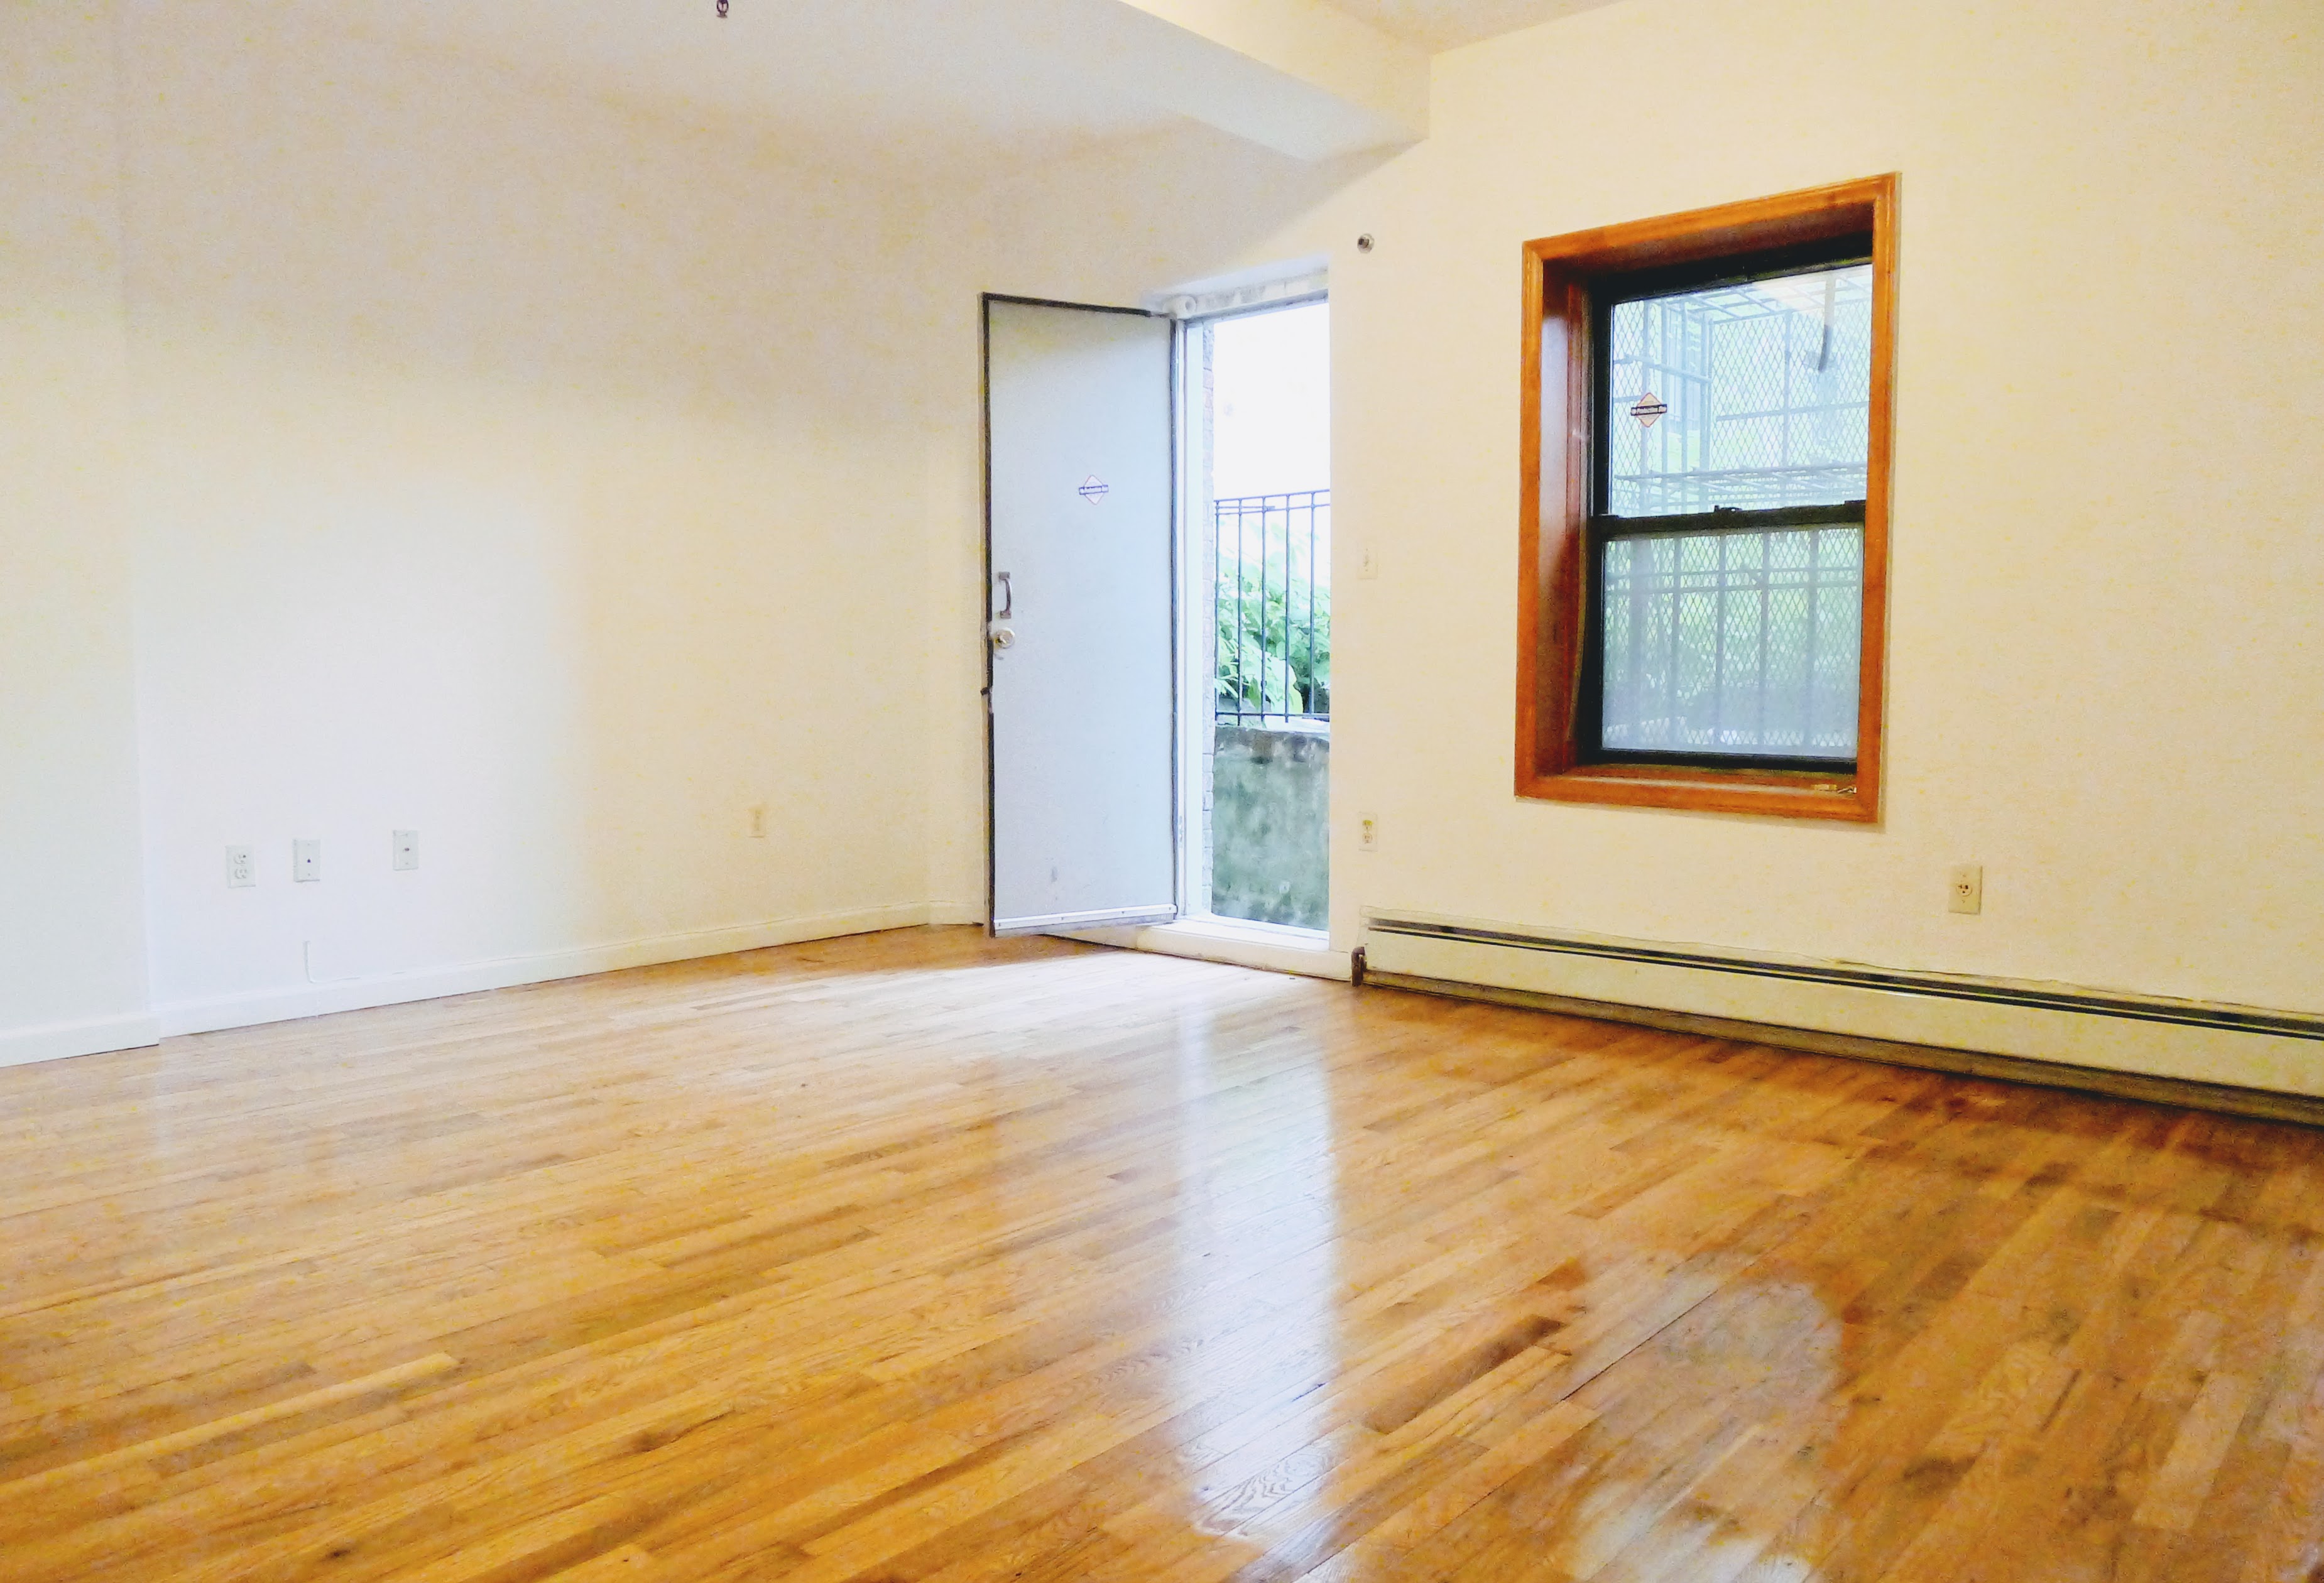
{"points": [[1729, 541], [1733, 643], [1270, 563], [1764, 388]]}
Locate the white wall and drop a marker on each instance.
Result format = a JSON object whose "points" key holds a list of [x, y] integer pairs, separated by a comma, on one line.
{"points": [[476, 445], [72, 958], [473, 457], [520, 469], [2103, 661]]}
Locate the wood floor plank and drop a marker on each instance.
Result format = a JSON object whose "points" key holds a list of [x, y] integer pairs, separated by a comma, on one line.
{"points": [[925, 1256]]}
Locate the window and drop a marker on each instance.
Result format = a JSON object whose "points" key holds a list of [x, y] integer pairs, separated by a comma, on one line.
{"points": [[1705, 508]]}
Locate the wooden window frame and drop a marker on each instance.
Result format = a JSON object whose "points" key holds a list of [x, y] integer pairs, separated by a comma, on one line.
{"points": [[1562, 274]]}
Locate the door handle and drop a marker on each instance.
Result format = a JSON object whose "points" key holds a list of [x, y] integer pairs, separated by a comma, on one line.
{"points": [[1008, 598]]}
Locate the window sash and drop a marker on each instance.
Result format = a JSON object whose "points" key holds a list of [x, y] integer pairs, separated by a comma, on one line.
{"points": [[1605, 530], [1647, 286], [1730, 520]]}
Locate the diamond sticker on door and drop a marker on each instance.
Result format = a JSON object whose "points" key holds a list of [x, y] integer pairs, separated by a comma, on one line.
{"points": [[1094, 489], [1649, 408]]}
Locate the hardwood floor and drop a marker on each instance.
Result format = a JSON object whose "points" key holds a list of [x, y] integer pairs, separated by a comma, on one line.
{"points": [[920, 1257]]}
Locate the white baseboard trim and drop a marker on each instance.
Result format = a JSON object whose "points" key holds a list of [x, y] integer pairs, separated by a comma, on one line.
{"points": [[1222, 940], [2231, 1045], [361, 994], [60, 1040]]}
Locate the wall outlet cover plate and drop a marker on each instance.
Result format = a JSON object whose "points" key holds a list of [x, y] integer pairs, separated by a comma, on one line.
{"points": [[1965, 889]]}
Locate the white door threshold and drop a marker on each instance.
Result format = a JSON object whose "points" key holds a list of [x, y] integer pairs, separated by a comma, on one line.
{"points": [[1270, 947]]}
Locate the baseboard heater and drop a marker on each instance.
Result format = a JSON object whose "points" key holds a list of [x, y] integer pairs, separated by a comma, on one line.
{"points": [[2237, 1059]]}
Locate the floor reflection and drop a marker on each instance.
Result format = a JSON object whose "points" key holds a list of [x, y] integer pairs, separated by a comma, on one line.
{"points": [[1615, 1307], [1255, 1224]]}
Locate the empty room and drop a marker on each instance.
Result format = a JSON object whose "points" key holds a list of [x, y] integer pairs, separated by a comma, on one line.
{"points": [[1095, 790]]}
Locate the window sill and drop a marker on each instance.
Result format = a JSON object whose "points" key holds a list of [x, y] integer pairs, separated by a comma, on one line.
{"points": [[1784, 794]]}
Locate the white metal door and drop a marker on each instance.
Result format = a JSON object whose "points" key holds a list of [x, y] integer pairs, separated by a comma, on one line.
{"points": [[1081, 682]]}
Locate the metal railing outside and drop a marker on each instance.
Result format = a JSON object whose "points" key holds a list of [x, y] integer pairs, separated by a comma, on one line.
{"points": [[1271, 563]]}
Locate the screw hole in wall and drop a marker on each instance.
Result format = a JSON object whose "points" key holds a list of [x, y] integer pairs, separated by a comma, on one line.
{"points": [[1364, 243]]}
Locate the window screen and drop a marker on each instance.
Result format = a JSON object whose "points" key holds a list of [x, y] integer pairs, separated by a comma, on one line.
{"points": [[1730, 538]]}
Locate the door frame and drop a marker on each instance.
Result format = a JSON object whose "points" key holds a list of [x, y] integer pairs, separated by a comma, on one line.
{"points": [[985, 618], [1193, 591]]}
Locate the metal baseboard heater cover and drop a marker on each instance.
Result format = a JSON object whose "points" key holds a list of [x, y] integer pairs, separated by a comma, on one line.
{"points": [[2084, 1038]]}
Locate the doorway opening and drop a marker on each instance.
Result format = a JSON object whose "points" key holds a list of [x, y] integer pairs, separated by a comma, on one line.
{"points": [[1257, 613]]}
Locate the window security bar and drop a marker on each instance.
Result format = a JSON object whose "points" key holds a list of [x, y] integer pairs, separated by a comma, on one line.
{"points": [[1270, 565]]}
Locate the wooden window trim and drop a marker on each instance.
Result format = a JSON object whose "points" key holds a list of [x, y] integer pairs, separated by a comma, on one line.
{"points": [[1555, 443]]}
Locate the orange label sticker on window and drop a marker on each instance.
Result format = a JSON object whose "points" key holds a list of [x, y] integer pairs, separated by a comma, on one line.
{"points": [[1649, 408]]}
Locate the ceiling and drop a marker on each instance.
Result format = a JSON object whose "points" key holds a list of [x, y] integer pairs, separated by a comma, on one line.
{"points": [[951, 89], [932, 83], [1447, 24]]}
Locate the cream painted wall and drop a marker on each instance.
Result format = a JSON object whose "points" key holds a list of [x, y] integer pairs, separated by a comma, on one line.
{"points": [[524, 470], [72, 957], [2108, 496]]}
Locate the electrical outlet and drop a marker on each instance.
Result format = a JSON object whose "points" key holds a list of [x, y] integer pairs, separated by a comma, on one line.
{"points": [[1965, 889], [406, 848], [306, 861], [1367, 833], [759, 821], [241, 867]]}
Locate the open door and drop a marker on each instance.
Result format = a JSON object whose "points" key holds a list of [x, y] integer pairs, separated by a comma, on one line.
{"points": [[1081, 671]]}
